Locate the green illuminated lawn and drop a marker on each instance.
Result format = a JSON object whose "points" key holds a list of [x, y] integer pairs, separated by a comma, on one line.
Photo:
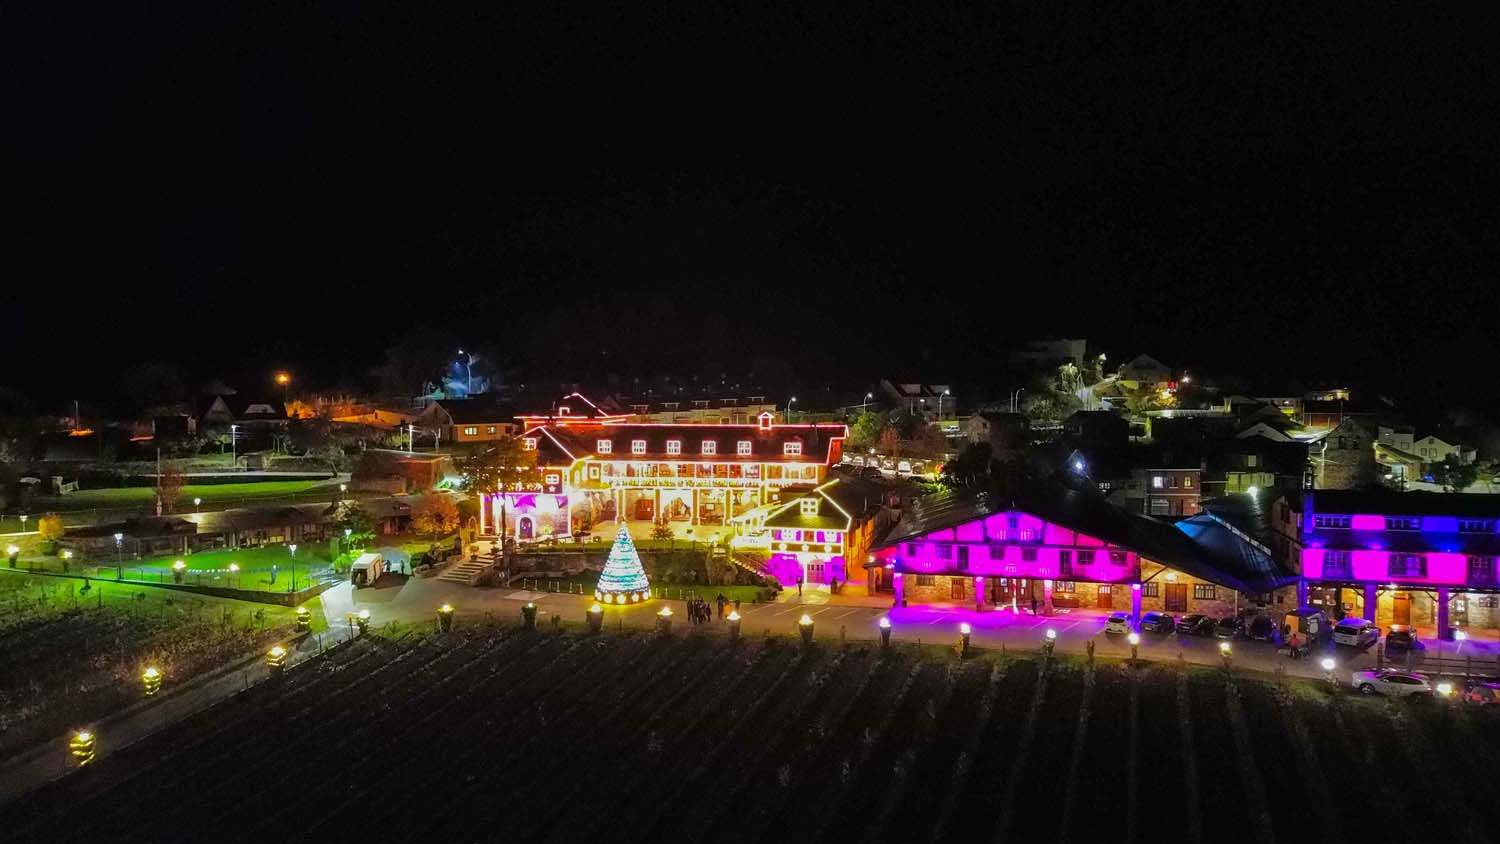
{"points": [[211, 568], [210, 493]]}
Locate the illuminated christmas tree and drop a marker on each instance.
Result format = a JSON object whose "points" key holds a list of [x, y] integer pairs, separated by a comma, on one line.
{"points": [[623, 580]]}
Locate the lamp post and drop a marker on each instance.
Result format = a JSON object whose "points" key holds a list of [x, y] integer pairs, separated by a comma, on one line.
{"points": [[179, 568], [276, 659], [24, 517], [528, 616], [196, 503], [734, 625], [282, 380], [234, 571], [304, 619], [940, 404], [11, 553], [1226, 654], [1135, 647], [963, 639], [866, 403], [664, 620], [805, 625], [66, 556], [595, 617], [344, 491], [1328, 666], [362, 618], [151, 681], [445, 617], [789, 404], [1049, 642], [234, 459], [119, 556], [293, 548], [81, 747]]}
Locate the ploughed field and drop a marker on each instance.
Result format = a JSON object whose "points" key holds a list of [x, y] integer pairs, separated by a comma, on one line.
{"points": [[512, 735]]}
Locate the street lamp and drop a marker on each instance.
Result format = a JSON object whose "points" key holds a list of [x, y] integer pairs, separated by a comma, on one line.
{"points": [[789, 404], [866, 403], [805, 624], [178, 569], [343, 490], [1135, 646], [196, 502], [293, 548], [1328, 666], [233, 454], [1049, 642], [1224, 653], [964, 630], [940, 404], [151, 680], [119, 557]]}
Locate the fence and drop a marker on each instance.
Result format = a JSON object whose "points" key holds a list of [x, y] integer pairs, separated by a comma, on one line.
{"points": [[1426, 662]]}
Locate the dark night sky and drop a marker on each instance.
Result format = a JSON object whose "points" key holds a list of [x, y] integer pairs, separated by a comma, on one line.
{"points": [[1256, 187]]}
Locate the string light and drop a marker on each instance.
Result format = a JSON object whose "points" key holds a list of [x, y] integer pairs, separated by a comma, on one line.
{"points": [[623, 573]]}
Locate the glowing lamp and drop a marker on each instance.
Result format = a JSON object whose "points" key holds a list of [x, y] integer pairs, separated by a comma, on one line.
{"points": [[1051, 635], [1223, 647], [67, 555], [666, 612], [234, 568], [596, 608], [445, 608], [1327, 663], [734, 615], [885, 623], [1078, 465], [1135, 587], [805, 620], [150, 673], [1445, 688], [965, 629], [179, 566], [278, 651], [1134, 639], [1171, 577], [364, 615], [1253, 491], [1460, 635]]}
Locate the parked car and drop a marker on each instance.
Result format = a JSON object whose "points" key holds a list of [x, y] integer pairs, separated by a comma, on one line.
{"points": [[1261, 629], [1391, 683], [1401, 638], [1481, 692], [1119, 622], [1195, 624], [1356, 632], [1227, 627], [1158, 622]]}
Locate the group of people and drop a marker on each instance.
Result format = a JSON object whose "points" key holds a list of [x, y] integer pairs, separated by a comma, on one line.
{"points": [[697, 608]]}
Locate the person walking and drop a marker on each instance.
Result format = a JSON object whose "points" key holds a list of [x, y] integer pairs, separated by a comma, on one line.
{"points": [[799, 587], [721, 601]]}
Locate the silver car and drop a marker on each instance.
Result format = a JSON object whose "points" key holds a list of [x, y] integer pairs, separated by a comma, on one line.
{"points": [[1391, 683]]}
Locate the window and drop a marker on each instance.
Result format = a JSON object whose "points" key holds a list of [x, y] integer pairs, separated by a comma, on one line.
{"points": [[1157, 482], [912, 548], [1336, 564], [674, 446], [1331, 521], [792, 449], [742, 448], [808, 506], [710, 447], [1252, 460], [1064, 586], [490, 430], [1064, 562], [1117, 558], [1205, 591], [924, 580], [637, 446], [1402, 523], [1489, 602], [1159, 507], [963, 557], [1481, 569], [604, 446], [1151, 590], [1407, 565], [470, 431], [1028, 555], [944, 550], [528, 444], [1476, 525], [1187, 482], [997, 552], [700, 404], [594, 471], [956, 588], [1012, 521]]}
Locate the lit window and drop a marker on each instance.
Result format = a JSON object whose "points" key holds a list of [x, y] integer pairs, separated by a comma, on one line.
{"points": [[528, 443], [1205, 592], [470, 431], [604, 446], [1402, 523], [674, 446], [710, 447], [1156, 482], [490, 430], [1187, 482], [743, 448], [792, 449], [637, 446], [809, 506]]}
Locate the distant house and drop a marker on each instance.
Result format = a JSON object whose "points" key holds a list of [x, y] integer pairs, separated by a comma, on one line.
{"points": [[219, 412], [469, 420], [1144, 372], [1345, 457], [934, 401], [1005, 432], [823, 533]]}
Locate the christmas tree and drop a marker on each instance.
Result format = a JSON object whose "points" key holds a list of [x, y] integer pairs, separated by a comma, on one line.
{"points": [[623, 580]]}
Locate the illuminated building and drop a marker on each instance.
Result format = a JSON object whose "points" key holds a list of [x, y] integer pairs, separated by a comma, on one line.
{"points": [[816, 532], [594, 465]]}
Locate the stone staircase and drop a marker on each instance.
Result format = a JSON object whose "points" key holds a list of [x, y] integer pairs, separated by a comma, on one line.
{"points": [[465, 571]]}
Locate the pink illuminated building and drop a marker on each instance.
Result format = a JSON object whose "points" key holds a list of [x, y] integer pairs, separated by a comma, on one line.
{"points": [[1418, 558], [1058, 548]]}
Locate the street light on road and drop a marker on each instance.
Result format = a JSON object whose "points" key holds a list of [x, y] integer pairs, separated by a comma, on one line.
{"points": [[233, 446], [789, 404], [468, 372]]}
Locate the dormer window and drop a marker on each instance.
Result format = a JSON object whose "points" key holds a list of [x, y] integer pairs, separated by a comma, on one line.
{"points": [[765, 421], [604, 446], [637, 446], [674, 446], [562, 410], [743, 448], [809, 506], [792, 449], [700, 404], [528, 443], [710, 447]]}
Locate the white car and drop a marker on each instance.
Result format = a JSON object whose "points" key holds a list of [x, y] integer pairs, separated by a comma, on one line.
{"points": [[1356, 632], [1119, 622], [1391, 683]]}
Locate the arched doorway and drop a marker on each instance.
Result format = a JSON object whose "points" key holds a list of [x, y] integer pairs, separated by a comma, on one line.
{"points": [[525, 528]]}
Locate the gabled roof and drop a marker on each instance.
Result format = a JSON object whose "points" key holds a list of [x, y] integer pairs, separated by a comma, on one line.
{"points": [[559, 445]]}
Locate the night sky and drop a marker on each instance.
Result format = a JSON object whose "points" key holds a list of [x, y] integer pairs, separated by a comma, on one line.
{"points": [[1263, 188]]}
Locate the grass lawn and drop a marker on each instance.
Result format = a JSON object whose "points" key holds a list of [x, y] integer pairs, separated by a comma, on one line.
{"points": [[62, 594], [144, 495], [211, 568]]}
